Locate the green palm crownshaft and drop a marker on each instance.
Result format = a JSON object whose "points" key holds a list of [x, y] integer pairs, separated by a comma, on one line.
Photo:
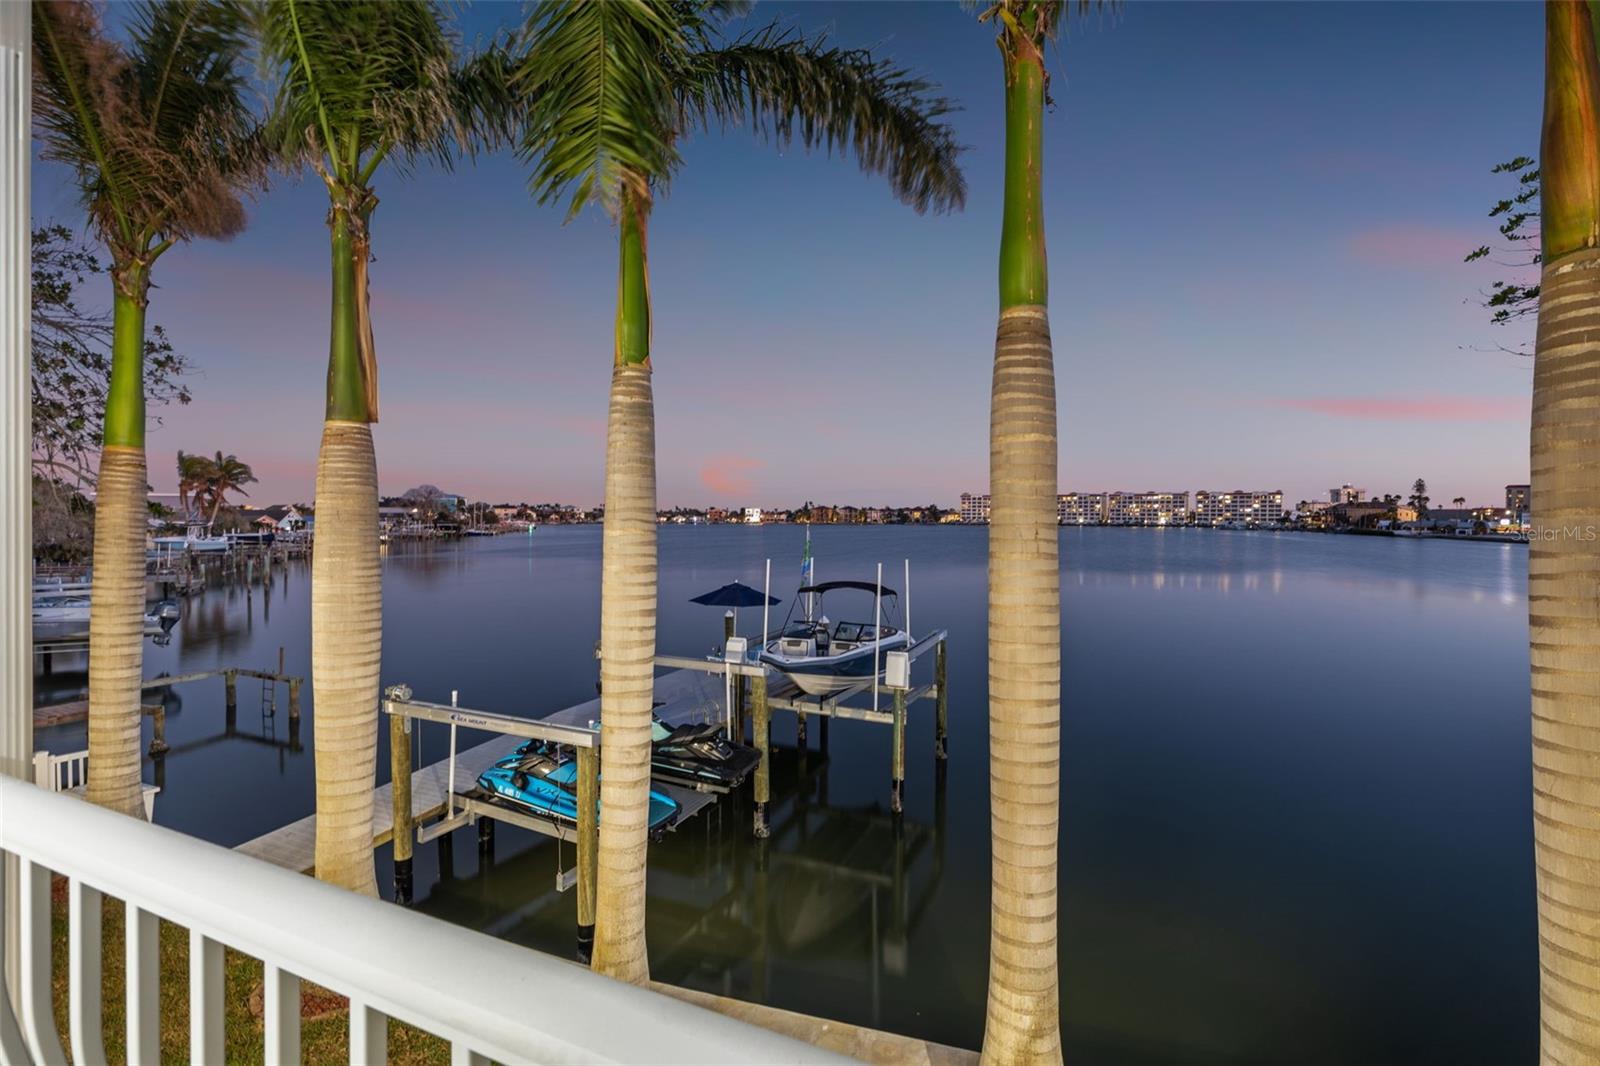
{"points": [[633, 279], [1024, 278], [124, 425]]}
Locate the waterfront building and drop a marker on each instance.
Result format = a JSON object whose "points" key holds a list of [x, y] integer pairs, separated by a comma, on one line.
{"points": [[1147, 508], [1517, 497], [1238, 506], [1346, 493], [974, 509], [752, 516], [1081, 508]]}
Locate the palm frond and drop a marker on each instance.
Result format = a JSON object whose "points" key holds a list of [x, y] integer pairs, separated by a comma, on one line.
{"points": [[788, 87], [360, 78], [595, 75], [159, 133]]}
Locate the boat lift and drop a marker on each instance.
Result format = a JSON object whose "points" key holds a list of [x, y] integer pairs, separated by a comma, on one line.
{"points": [[470, 805]]}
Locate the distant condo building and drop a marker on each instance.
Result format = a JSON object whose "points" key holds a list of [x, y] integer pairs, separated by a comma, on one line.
{"points": [[1147, 508], [1081, 508], [1517, 497], [1238, 506], [1348, 494], [974, 508]]}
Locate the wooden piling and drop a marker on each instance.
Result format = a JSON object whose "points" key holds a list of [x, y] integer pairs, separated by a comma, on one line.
{"points": [[400, 779], [294, 699], [800, 731], [158, 733], [762, 735], [588, 846], [485, 842], [941, 729], [897, 781], [230, 680]]}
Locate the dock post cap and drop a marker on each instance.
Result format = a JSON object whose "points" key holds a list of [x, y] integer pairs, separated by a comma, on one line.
{"points": [[397, 692]]}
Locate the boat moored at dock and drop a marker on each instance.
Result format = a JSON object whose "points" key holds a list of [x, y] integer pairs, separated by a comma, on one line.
{"points": [[821, 656]]}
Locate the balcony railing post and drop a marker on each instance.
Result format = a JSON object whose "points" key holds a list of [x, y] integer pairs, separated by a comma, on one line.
{"points": [[205, 1001], [85, 1020], [281, 1015], [37, 1001], [143, 939]]}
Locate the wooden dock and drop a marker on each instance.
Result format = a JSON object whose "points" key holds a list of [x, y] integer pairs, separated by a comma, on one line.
{"points": [[294, 846]]}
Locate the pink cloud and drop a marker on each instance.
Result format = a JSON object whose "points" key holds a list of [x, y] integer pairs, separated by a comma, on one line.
{"points": [[727, 475], [1409, 408], [1413, 247]]}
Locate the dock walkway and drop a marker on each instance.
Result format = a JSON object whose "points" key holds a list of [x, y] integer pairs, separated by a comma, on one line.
{"points": [[683, 696]]}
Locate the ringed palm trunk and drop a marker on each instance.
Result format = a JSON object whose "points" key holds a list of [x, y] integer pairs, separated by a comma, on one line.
{"points": [[346, 589], [627, 618], [116, 612], [1564, 557], [1022, 1023]]}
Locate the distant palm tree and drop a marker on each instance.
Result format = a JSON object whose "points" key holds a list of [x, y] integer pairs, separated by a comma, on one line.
{"points": [[1023, 1021], [228, 474], [194, 472], [358, 83], [1563, 623], [614, 88], [1460, 502], [160, 140]]}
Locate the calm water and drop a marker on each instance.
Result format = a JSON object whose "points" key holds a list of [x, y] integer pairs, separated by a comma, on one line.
{"points": [[1296, 814]]}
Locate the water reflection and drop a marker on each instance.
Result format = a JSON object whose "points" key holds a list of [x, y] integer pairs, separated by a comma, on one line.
{"points": [[837, 893]]}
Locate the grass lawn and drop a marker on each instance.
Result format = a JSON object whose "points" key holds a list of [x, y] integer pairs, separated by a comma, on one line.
{"points": [[324, 1026]]}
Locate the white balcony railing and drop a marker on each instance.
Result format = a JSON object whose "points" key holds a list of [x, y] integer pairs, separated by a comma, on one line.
{"points": [[487, 998]]}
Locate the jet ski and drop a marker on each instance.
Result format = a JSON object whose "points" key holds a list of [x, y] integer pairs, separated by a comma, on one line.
{"points": [[699, 756], [544, 779]]}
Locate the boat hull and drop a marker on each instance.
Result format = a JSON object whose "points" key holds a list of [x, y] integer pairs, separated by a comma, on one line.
{"points": [[824, 675]]}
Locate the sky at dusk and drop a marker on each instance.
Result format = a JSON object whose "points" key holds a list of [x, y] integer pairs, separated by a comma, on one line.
{"points": [[1256, 218]]}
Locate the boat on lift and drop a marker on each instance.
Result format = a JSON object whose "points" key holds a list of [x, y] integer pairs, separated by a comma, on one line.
{"points": [[543, 778], [821, 656], [197, 539]]}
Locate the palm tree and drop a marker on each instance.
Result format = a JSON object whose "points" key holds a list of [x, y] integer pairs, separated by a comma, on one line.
{"points": [[1563, 623], [358, 83], [1023, 1020], [228, 474], [159, 137], [613, 88], [194, 472], [1459, 502]]}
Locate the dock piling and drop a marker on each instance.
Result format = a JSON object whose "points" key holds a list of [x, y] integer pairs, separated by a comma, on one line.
{"points": [[588, 847], [400, 777], [942, 704], [897, 781], [294, 699], [230, 680], [158, 733], [761, 731], [485, 842], [800, 730]]}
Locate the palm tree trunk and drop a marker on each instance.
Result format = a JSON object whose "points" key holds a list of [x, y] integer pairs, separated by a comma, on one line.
{"points": [[1564, 557], [346, 643], [116, 612], [1023, 1017], [346, 589], [627, 619]]}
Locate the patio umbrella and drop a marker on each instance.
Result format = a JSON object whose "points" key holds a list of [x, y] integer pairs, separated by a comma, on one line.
{"points": [[735, 595]]}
